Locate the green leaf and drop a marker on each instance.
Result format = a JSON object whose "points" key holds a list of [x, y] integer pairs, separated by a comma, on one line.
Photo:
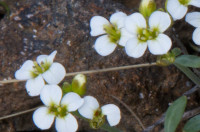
{"points": [[79, 84], [66, 88], [189, 73], [193, 125], [174, 114], [188, 61], [176, 51]]}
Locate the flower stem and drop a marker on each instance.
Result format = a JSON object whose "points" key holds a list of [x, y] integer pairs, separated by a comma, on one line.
{"points": [[92, 71], [189, 74], [109, 128], [19, 113], [129, 109]]}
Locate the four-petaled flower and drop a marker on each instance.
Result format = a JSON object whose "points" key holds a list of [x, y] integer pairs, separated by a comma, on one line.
{"points": [[90, 110], [57, 109], [178, 8], [193, 18], [113, 32], [42, 69], [151, 35]]}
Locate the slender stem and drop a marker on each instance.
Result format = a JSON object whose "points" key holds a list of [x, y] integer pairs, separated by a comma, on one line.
{"points": [[133, 113], [109, 128], [18, 113], [189, 74], [92, 71]]}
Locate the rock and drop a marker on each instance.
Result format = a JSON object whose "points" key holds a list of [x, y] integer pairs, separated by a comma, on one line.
{"points": [[40, 27]]}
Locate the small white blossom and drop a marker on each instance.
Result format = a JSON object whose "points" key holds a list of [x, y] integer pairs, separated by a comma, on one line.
{"points": [[90, 110], [57, 109], [36, 72], [150, 36], [113, 32], [194, 19], [178, 8]]}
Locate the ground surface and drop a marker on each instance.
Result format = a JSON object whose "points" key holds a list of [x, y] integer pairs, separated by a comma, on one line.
{"points": [[40, 27]]}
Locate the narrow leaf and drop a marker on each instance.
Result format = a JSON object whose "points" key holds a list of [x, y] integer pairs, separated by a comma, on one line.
{"points": [[174, 114], [176, 51], [189, 73], [188, 61], [193, 125]]}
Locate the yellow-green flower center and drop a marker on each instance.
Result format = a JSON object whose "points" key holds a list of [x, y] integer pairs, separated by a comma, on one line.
{"points": [[147, 34], [113, 32], [58, 111], [39, 69], [184, 2], [98, 119]]}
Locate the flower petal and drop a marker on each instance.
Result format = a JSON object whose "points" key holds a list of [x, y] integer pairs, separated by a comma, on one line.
{"points": [[125, 36], [73, 101], [161, 45], [97, 25], [135, 21], [195, 3], [196, 36], [48, 58], [134, 48], [51, 94], [66, 124], [89, 106], [55, 74], [160, 20], [112, 112], [42, 118], [118, 18], [24, 73], [176, 10], [103, 46], [193, 18], [34, 86]]}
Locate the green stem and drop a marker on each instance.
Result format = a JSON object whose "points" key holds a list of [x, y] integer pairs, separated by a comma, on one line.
{"points": [[108, 128], [189, 74], [105, 127]]}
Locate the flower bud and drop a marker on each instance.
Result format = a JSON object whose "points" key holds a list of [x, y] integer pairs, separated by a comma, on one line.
{"points": [[169, 58], [79, 84], [147, 7], [66, 88]]}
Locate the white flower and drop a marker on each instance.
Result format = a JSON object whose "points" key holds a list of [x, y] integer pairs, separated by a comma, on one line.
{"points": [[178, 8], [151, 35], [90, 110], [194, 19], [113, 32], [36, 72], [57, 109]]}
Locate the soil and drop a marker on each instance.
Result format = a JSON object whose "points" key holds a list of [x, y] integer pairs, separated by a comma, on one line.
{"points": [[37, 27]]}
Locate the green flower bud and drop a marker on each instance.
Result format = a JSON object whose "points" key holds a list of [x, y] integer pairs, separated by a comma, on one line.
{"points": [[147, 7], [169, 58], [66, 88], [79, 84]]}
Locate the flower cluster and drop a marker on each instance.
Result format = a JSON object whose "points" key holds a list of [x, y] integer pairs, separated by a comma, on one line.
{"points": [[132, 32], [179, 8], [138, 31], [43, 77], [39, 72]]}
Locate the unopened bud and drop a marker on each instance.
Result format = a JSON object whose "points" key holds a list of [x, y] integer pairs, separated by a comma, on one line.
{"points": [[79, 84], [147, 7]]}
